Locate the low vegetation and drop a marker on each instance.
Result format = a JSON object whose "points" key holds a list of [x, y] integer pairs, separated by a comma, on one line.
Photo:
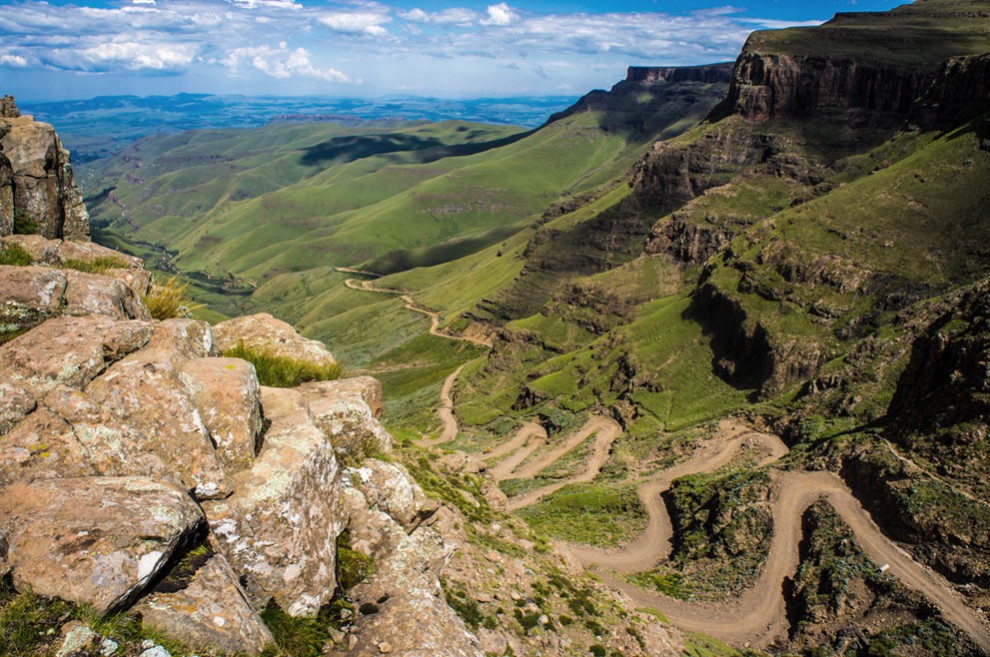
{"points": [[594, 514], [282, 371], [166, 298], [100, 265], [15, 254]]}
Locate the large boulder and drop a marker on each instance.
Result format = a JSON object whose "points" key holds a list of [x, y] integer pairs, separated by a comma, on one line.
{"points": [[144, 391], [204, 607], [93, 540], [226, 393], [347, 412], [280, 527], [263, 332]]}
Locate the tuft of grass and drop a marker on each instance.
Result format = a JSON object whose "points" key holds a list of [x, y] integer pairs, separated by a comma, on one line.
{"points": [[166, 298], [589, 513], [303, 637], [15, 254], [99, 265], [282, 371], [353, 567]]}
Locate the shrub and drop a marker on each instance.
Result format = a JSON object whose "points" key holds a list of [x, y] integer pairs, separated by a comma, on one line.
{"points": [[282, 371], [15, 254], [166, 298], [99, 265]]}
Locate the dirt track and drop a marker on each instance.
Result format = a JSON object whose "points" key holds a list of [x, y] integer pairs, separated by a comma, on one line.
{"points": [[758, 616]]}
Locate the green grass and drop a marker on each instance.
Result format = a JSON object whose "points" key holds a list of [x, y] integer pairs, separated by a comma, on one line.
{"points": [[279, 371], [593, 513], [99, 265], [15, 254]]}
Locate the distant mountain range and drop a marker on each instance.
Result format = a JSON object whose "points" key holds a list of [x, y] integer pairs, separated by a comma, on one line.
{"points": [[101, 126]]}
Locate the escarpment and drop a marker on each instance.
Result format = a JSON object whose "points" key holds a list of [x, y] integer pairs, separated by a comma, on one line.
{"points": [[38, 193]]}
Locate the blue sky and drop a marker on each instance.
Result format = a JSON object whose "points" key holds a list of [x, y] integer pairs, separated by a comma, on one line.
{"points": [[59, 50]]}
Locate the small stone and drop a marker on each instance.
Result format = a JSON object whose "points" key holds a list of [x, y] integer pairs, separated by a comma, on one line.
{"points": [[384, 647], [352, 642], [77, 637], [147, 644], [109, 647], [336, 636], [543, 619], [156, 651]]}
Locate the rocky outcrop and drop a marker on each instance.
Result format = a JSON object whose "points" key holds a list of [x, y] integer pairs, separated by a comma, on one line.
{"points": [[709, 74], [265, 333], [138, 467], [402, 610], [45, 199], [8, 108], [51, 288]]}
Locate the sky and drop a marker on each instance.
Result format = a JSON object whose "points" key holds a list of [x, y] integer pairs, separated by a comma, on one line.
{"points": [[56, 50]]}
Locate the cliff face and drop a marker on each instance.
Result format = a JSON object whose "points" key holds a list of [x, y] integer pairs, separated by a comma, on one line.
{"points": [[766, 86], [37, 188], [960, 91], [710, 74]]}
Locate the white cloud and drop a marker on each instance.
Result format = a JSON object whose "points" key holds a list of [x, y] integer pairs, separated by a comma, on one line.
{"points": [[369, 23], [135, 56], [266, 4], [501, 15], [459, 16], [144, 2], [281, 62], [13, 61]]}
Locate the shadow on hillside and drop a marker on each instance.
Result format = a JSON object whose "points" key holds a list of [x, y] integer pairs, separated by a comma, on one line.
{"points": [[420, 150]]}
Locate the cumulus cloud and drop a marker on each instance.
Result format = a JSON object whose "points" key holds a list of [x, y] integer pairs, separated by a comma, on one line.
{"points": [[144, 2], [369, 23], [12, 61], [135, 56], [281, 62], [500, 14]]}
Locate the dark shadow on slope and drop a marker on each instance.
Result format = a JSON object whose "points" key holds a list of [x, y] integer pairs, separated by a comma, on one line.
{"points": [[404, 259], [420, 150]]}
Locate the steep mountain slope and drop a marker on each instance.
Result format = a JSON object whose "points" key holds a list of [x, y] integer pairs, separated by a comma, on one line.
{"points": [[807, 261]]}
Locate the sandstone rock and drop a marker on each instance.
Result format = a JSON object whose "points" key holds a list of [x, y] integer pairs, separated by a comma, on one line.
{"points": [[43, 446], [15, 404], [182, 339], [207, 612], [44, 188], [279, 528], [28, 296], [145, 393], [346, 412], [265, 333], [6, 191], [413, 617], [69, 351], [226, 393], [93, 294], [389, 488], [8, 108], [94, 540], [43, 251]]}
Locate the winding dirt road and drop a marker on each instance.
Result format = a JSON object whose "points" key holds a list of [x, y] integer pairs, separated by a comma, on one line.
{"points": [[652, 547], [758, 616], [406, 296]]}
